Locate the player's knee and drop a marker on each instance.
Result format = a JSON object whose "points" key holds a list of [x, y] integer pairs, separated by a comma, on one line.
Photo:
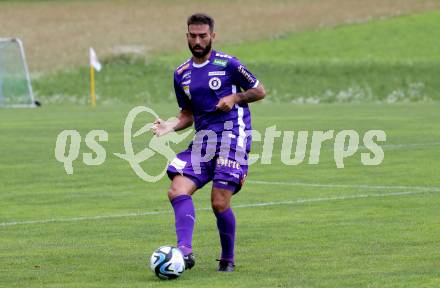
{"points": [[174, 191], [219, 204], [181, 186]]}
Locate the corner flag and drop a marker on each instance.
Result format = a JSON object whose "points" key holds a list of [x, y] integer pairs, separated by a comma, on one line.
{"points": [[94, 65]]}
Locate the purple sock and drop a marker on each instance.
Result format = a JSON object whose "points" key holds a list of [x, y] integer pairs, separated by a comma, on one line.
{"points": [[226, 229], [185, 218]]}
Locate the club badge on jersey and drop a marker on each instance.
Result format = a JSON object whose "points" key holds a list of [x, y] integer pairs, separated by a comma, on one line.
{"points": [[215, 83]]}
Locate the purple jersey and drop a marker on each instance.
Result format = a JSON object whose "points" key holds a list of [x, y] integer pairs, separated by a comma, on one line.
{"points": [[199, 87]]}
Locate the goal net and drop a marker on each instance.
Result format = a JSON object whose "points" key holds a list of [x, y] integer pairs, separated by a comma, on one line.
{"points": [[15, 83]]}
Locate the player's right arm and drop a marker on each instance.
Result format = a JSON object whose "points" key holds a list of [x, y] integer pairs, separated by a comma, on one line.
{"points": [[183, 120], [185, 117]]}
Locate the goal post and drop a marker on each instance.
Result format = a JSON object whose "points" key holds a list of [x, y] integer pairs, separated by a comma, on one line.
{"points": [[15, 82]]}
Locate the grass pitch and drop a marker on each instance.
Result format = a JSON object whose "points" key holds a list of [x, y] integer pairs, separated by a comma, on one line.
{"points": [[392, 60], [298, 226]]}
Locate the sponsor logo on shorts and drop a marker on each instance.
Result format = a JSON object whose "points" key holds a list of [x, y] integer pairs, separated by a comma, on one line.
{"points": [[220, 62], [222, 161], [215, 83]]}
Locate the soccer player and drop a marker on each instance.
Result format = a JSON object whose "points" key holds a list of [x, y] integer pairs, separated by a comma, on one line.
{"points": [[213, 90]]}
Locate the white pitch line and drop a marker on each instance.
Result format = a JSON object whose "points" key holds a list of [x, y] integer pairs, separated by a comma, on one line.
{"points": [[404, 145], [327, 199], [360, 186], [251, 205]]}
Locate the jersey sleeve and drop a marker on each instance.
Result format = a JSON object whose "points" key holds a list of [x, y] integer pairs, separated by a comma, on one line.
{"points": [[182, 99], [241, 75]]}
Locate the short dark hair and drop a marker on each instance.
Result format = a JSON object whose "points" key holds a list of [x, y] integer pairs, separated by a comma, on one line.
{"points": [[201, 18]]}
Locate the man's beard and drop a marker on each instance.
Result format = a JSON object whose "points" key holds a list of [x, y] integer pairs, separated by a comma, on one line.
{"points": [[202, 53]]}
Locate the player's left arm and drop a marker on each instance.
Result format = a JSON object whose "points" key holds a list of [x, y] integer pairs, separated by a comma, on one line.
{"points": [[251, 95], [254, 90], [254, 94]]}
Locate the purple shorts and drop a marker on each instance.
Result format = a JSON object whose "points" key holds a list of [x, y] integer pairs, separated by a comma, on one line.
{"points": [[225, 172]]}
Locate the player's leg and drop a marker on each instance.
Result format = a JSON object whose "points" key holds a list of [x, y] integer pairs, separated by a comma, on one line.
{"points": [[221, 195], [228, 178], [185, 181], [179, 193]]}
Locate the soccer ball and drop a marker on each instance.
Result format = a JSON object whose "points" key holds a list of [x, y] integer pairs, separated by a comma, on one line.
{"points": [[167, 262]]}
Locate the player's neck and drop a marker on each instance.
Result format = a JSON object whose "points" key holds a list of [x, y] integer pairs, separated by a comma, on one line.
{"points": [[203, 59]]}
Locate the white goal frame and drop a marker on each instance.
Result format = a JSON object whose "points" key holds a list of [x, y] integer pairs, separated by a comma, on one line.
{"points": [[26, 74]]}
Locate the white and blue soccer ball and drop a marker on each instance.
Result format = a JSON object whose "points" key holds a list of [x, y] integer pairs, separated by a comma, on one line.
{"points": [[167, 262]]}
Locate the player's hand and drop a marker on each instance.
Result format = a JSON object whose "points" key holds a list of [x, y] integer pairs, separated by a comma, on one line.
{"points": [[226, 103], [161, 127]]}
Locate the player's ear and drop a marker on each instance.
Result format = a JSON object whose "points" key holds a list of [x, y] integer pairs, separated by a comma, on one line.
{"points": [[212, 35]]}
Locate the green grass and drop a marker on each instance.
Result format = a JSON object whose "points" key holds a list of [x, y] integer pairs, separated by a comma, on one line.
{"points": [[361, 226], [393, 60], [364, 242]]}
